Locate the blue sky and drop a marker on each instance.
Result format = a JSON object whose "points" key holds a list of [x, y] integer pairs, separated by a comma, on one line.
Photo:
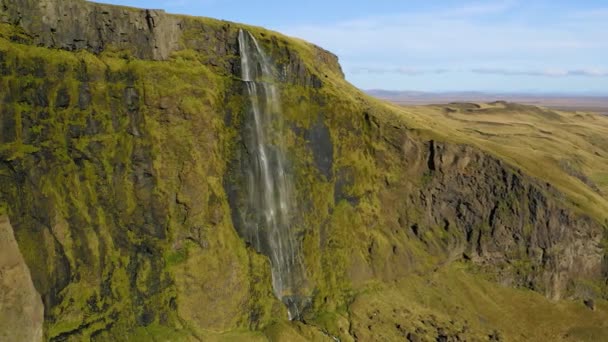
{"points": [[496, 45]]}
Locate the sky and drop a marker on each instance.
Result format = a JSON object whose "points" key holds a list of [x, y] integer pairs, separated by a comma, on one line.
{"points": [[533, 46]]}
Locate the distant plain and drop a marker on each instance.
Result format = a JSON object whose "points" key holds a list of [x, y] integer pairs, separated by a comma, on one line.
{"points": [[586, 103], [565, 147]]}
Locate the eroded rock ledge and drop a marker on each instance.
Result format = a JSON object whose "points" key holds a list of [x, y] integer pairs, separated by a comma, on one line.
{"points": [[478, 208], [147, 33]]}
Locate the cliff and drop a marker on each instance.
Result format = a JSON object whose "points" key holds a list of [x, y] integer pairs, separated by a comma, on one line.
{"points": [[146, 34], [121, 165]]}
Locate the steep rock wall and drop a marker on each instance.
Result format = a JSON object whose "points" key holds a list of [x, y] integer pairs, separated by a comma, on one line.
{"points": [[478, 208], [147, 34], [75, 25]]}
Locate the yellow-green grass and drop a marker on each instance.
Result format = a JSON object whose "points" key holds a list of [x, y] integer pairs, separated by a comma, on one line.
{"points": [[566, 149], [455, 297]]}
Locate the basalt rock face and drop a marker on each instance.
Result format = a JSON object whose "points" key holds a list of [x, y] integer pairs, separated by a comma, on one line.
{"points": [[121, 141], [477, 208], [513, 225], [76, 25], [147, 34]]}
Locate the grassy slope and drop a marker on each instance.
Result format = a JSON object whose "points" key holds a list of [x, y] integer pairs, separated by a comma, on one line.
{"points": [[454, 299], [562, 148]]}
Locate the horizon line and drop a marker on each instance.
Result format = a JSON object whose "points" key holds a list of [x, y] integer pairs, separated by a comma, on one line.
{"points": [[489, 92]]}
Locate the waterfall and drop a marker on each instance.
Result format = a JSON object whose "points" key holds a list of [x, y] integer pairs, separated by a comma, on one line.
{"points": [[269, 206]]}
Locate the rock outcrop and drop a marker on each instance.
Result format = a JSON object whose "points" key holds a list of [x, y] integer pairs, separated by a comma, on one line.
{"points": [[21, 310], [477, 208], [146, 33], [78, 25]]}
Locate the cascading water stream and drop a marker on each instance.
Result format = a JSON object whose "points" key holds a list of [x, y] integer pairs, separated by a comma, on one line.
{"points": [[268, 220]]}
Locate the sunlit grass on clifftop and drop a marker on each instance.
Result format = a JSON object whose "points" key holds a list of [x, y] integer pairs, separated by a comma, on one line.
{"points": [[537, 140]]}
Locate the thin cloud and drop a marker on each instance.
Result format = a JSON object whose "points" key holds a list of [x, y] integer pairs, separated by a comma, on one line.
{"points": [[410, 71], [505, 34], [598, 13], [476, 9], [397, 70], [186, 3], [543, 73]]}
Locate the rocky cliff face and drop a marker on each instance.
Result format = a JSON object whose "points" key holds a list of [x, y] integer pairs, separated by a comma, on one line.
{"points": [[21, 310], [77, 25], [479, 209], [121, 142], [147, 34]]}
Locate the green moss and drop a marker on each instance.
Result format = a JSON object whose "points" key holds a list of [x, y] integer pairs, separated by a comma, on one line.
{"points": [[427, 177], [176, 257], [155, 332], [466, 305]]}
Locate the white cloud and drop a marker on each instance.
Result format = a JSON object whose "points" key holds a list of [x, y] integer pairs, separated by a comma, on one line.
{"points": [[546, 72], [397, 70], [598, 13], [477, 9], [478, 36], [410, 71], [180, 4]]}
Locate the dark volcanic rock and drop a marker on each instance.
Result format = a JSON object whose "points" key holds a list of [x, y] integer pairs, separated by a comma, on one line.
{"points": [[590, 303], [494, 214], [322, 148], [75, 24], [146, 33]]}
